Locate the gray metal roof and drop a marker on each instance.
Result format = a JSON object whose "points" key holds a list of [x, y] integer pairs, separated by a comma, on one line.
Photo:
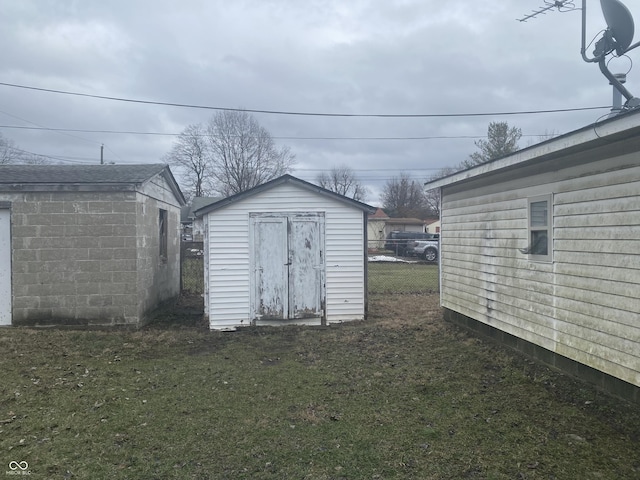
{"points": [[78, 174]]}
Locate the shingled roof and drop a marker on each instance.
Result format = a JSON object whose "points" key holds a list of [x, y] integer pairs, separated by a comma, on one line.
{"points": [[84, 177], [48, 174]]}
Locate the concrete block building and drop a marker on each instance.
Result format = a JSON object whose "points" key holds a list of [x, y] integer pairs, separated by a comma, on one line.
{"points": [[87, 245]]}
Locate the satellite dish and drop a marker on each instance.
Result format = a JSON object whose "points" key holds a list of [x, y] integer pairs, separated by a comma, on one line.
{"points": [[620, 23], [617, 37]]}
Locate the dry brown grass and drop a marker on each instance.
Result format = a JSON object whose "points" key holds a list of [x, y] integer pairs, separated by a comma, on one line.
{"points": [[402, 310]]}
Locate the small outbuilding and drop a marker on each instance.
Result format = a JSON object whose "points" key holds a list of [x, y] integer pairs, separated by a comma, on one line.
{"points": [[541, 250], [87, 245], [285, 252]]}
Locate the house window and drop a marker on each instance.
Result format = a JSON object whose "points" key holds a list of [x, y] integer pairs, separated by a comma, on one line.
{"points": [[540, 228], [163, 230]]}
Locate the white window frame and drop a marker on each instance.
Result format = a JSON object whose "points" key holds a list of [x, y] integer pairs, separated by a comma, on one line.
{"points": [[548, 228]]}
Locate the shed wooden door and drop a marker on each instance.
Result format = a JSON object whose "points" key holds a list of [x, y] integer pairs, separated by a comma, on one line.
{"points": [[5, 267], [288, 265]]}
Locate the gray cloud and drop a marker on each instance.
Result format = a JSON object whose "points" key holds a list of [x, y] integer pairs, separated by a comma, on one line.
{"points": [[359, 57]]}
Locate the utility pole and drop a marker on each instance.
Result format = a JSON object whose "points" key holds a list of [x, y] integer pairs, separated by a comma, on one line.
{"points": [[102, 154]]}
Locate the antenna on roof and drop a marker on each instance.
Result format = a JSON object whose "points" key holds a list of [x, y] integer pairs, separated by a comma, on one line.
{"points": [[616, 39], [561, 5]]}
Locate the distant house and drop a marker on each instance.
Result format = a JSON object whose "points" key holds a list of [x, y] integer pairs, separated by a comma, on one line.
{"points": [[192, 227], [380, 225], [432, 225], [404, 225], [376, 226], [87, 245], [541, 250], [285, 252]]}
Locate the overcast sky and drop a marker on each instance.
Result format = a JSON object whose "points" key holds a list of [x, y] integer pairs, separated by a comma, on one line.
{"points": [[362, 57]]}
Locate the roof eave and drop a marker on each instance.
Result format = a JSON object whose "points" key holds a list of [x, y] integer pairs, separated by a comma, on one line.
{"points": [[173, 184], [586, 138], [69, 187]]}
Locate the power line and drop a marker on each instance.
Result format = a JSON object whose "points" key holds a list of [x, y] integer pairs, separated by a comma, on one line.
{"points": [[89, 160], [56, 130], [282, 112], [42, 155], [132, 132], [41, 127]]}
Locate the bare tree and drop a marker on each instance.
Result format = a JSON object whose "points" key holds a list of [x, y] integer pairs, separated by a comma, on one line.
{"points": [[8, 151], [403, 197], [33, 159], [501, 140], [547, 135], [342, 180], [190, 152], [243, 153], [432, 197]]}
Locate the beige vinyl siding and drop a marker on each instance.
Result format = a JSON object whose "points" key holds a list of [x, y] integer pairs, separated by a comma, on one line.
{"points": [[585, 304], [229, 280]]}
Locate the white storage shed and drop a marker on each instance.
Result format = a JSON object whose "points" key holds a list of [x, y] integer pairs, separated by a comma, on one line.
{"points": [[285, 252]]}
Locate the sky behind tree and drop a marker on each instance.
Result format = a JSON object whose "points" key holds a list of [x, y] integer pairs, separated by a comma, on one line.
{"points": [[422, 65]]}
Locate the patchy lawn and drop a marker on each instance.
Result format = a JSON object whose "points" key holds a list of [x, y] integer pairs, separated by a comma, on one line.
{"points": [[398, 277], [402, 395]]}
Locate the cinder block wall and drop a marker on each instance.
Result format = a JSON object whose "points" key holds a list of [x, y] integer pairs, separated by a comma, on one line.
{"points": [[74, 258], [158, 277]]}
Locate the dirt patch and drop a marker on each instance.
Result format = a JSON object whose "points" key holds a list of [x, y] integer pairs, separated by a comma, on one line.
{"points": [[185, 311], [402, 310]]}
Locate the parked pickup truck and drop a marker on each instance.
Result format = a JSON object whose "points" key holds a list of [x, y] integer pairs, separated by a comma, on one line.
{"points": [[426, 249]]}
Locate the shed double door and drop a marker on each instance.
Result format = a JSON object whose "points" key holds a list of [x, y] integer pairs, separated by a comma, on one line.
{"points": [[287, 252]]}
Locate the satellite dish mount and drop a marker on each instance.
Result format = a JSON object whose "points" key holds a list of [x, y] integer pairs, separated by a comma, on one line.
{"points": [[616, 38]]}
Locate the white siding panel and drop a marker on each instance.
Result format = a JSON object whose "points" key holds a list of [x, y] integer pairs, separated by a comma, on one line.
{"points": [[612, 205], [589, 273], [614, 219], [622, 232], [608, 261], [230, 263], [585, 304]]}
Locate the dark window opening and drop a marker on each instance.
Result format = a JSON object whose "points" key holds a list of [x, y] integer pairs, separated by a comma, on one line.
{"points": [[163, 219]]}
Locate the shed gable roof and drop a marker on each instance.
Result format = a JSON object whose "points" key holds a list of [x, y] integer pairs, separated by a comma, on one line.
{"points": [[44, 177], [290, 179]]}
